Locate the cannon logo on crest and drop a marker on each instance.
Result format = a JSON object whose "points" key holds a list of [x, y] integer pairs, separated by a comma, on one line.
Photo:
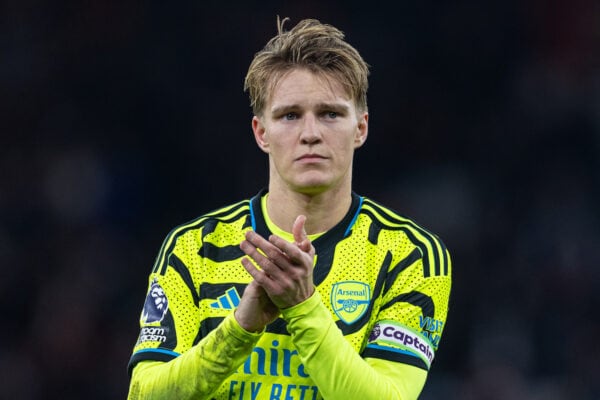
{"points": [[350, 300]]}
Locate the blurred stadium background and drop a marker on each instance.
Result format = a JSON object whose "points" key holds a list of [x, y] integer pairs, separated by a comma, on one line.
{"points": [[120, 120]]}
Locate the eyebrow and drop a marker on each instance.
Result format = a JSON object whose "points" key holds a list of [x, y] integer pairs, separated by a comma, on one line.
{"points": [[338, 107]]}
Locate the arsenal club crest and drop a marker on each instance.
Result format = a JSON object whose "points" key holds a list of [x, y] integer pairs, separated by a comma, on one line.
{"points": [[350, 300]]}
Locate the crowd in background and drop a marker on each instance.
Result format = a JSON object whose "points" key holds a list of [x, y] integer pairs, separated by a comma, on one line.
{"points": [[121, 120]]}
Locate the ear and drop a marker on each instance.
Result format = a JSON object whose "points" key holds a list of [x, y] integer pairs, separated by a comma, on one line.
{"points": [[260, 134], [362, 130]]}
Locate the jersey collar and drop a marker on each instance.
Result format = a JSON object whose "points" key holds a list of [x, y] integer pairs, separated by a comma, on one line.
{"points": [[341, 230]]}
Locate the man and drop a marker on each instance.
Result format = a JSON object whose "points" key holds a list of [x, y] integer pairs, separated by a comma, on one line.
{"points": [[342, 297]]}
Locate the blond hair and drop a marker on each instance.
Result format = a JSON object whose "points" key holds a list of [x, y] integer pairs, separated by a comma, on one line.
{"points": [[310, 44]]}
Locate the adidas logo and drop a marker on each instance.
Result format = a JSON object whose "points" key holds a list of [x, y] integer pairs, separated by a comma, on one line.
{"points": [[228, 301]]}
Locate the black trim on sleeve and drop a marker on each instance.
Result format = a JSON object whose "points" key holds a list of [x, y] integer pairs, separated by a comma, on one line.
{"points": [[147, 355], [393, 356]]}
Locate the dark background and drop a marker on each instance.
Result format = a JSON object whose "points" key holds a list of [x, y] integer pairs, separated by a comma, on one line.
{"points": [[120, 120]]}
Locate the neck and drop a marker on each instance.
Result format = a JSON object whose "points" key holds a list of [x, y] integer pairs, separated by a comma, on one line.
{"points": [[322, 210]]}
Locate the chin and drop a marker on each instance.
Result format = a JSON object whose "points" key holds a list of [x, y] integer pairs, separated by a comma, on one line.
{"points": [[312, 187], [313, 182]]}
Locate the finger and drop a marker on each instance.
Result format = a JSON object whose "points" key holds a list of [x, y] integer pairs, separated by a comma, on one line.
{"points": [[259, 276], [299, 232], [251, 269], [298, 229], [266, 251], [267, 256], [258, 257], [292, 252]]}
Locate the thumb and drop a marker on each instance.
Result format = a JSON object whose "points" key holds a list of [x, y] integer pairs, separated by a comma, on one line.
{"points": [[299, 232]]}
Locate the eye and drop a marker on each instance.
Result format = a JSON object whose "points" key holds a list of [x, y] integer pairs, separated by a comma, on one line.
{"points": [[290, 116], [332, 114]]}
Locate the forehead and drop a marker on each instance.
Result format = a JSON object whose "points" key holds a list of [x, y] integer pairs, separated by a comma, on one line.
{"points": [[304, 86]]}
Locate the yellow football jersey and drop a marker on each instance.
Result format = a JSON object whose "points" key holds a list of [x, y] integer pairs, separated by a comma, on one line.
{"points": [[384, 280]]}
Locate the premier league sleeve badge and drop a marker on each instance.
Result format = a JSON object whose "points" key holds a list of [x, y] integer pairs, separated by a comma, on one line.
{"points": [[155, 306]]}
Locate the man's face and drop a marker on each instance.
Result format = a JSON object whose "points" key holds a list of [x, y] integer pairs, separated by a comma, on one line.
{"points": [[310, 128]]}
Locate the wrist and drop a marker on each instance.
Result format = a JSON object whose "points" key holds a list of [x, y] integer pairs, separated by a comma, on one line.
{"points": [[248, 326], [303, 308]]}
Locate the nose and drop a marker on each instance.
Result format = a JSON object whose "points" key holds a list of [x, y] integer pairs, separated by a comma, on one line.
{"points": [[311, 132]]}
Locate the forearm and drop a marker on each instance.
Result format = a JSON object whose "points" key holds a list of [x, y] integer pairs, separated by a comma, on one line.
{"points": [[199, 371], [336, 368]]}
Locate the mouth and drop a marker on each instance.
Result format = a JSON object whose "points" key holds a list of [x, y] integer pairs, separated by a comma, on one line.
{"points": [[310, 158]]}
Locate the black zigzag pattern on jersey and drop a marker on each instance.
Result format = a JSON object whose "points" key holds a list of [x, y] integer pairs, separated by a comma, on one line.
{"points": [[279, 326], [220, 254], [412, 238], [431, 238], [214, 290], [374, 230], [406, 262], [358, 324], [416, 298], [325, 244], [184, 272], [225, 215], [225, 218], [395, 222], [323, 264], [384, 281], [209, 226], [206, 326], [247, 222], [216, 253]]}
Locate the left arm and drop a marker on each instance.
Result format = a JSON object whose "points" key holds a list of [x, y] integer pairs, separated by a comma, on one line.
{"points": [[334, 365], [336, 368]]}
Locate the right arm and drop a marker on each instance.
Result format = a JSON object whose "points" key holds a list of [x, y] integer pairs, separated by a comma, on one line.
{"points": [[165, 362], [199, 371]]}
